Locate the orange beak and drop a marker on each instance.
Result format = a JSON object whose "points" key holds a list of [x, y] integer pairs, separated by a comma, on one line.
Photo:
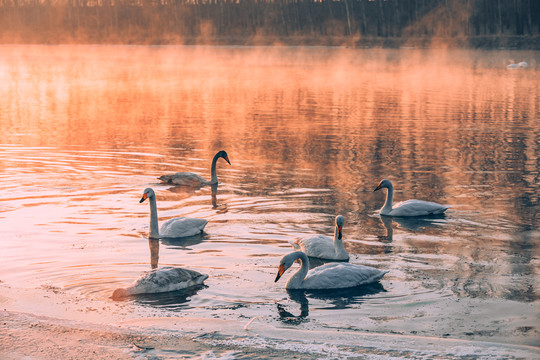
{"points": [[339, 228], [378, 187], [226, 157], [144, 197], [280, 272]]}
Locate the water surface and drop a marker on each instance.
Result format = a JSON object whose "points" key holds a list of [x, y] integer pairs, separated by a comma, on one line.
{"points": [[310, 132]]}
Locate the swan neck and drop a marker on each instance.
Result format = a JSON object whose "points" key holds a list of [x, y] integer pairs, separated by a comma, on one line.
{"points": [[338, 244], [389, 198], [214, 179], [295, 282], [154, 228]]}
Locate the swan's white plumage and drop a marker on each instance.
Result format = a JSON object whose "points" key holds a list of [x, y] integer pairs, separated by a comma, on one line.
{"points": [[173, 228], [190, 179], [184, 179], [328, 276], [162, 280], [341, 275], [182, 227], [415, 207], [322, 246], [409, 207]]}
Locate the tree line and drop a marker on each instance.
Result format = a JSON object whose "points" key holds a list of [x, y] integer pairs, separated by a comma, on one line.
{"points": [[177, 21]]}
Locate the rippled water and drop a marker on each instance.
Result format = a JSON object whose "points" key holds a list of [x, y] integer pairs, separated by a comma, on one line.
{"points": [[310, 133]]}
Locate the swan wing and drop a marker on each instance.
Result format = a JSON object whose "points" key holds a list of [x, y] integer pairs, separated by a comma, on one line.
{"points": [[166, 279], [341, 275], [417, 208], [318, 246], [184, 179], [182, 227]]}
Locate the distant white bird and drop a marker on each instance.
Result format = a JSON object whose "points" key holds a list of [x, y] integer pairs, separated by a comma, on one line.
{"points": [[173, 228], [520, 65], [193, 180], [161, 280], [324, 247], [328, 276], [409, 207]]}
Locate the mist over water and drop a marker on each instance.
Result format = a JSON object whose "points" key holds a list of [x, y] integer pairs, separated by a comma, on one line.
{"points": [[309, 132]]}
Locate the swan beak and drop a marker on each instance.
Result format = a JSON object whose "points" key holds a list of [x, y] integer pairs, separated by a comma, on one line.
{"points": [[339, 228], [280, 272], [144, 197], [227, 159], [378, 188]]}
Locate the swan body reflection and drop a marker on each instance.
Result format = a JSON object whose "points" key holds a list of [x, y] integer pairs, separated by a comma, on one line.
{"points": [[193, 180], [173, 228], [407, 208], [161, 280], [328, 276], [324, 247]]}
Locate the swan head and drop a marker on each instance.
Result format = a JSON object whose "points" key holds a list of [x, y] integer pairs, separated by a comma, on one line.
{"points": [[148, 193], [119, 294], [223, 154], [286, 262], [340, 221], [384, 184]]}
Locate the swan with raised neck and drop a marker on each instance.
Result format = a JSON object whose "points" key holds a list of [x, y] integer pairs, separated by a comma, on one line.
{"points": [[324, 247], [411, 207], [194, 180], [335, 275], [173, 228]]}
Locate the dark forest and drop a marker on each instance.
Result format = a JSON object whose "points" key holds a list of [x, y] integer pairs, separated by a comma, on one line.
{"points": [[476, 23]]}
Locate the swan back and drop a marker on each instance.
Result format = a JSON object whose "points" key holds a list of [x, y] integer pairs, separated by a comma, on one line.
{"points": [[162, 280], [182, 227], [341, 275], [417, 208], [184, 179]]}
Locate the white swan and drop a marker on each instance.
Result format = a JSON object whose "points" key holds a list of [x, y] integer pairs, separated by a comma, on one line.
{"points": [[409, 207], [173, 228], [161, 280], [194, 180], [520, 65], [324, 247], [328, 276]]}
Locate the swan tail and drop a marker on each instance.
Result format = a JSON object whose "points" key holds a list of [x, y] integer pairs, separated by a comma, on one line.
{"points": [[295, 244]]}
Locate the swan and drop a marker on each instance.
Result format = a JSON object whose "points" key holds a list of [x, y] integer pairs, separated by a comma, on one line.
{"points": [[324, 247], [173, 228], [194, 180], [410, 207], [161, 280], [520, 65], [327, 276]]}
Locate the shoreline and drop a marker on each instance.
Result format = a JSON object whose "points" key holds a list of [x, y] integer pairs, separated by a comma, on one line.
{"points": [[54, 324], [487, 42]]}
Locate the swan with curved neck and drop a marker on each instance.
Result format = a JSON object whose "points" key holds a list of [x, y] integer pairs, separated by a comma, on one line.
{"points": [[161, 280], [407, 208], [173, 228], [327, 276], [194, 180], [324, 247]]}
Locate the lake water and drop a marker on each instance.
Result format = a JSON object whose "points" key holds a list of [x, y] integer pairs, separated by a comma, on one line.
{"points": [[309, 132]]}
